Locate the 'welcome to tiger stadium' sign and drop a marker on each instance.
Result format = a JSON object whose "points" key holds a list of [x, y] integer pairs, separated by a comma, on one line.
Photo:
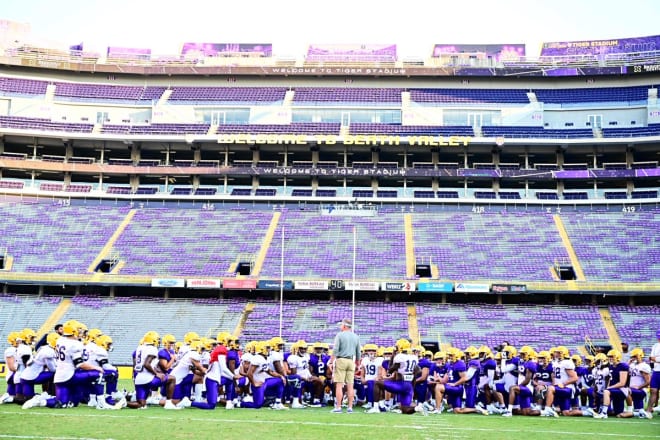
{"points": [[331, 139]]}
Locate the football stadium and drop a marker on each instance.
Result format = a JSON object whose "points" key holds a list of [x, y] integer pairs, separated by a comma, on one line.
{"points": [[196, 225]]}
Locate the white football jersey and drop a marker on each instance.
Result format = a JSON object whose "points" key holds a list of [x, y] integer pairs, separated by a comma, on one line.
{"points": [[261, 373], [142, 354], [560, 369], [636, 370], [371, 367], [43, 360], [301, 364], [183, 368], [69, 351]]}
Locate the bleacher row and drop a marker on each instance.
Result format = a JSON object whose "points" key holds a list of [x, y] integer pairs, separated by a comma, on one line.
{"points": [[541, 326], [182, 94], [176, 242], [329, 128], [329, 192]]}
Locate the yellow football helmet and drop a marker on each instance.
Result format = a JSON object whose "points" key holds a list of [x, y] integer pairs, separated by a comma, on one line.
{"points": [[472, 352], [577, 360], [189, 337], [197, 346], [151, 338], [543, 357], [93, 335], [485, 352], [168, 340], [563, 352], [223, 338], [637, 353], [177, 346], [277, 344], [73, 328], [51, 339], [402, 345], [370, 347], [13, 338], [261, 347], [525, 352], [388, 351], [589, 360], [28, 335], [509, 352], [601, 359], [439, 355], [208, 343], [105, 341], [614, 355]]}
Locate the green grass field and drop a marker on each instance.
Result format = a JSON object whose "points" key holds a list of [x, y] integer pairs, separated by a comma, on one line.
{"points": [[85, 423]]}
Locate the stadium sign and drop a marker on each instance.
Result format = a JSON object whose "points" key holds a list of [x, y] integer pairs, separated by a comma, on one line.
{"points": [[331, 139], [311, 285], [363, 285], [472, 287], [509, 288], [435, 287], [275, 284], [233, 283], [168, 282], [202, 283], [398, 287]]}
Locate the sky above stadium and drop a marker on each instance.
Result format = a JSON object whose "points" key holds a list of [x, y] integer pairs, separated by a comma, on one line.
{"points": [[291, 25]]}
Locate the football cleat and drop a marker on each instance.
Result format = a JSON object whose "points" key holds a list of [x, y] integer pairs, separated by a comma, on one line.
{"points": [[645, 415], [374, 410], [31, 403], [279, 407], [6, 398], [599, 415], [184, 403], [169, 405], [229, 405], [421, 408], [297, 405], [507, 414]]}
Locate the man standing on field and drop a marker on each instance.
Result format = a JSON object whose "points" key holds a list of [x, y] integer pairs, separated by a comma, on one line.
{"points": [[346, 352]]}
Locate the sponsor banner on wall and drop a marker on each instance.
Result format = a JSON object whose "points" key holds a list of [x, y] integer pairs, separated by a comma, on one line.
{"points": [[232, 283], [472, 287], [435, 287], [275, 284], [168, 282], [363, 285], [509, 288], [311, 285], [399, 287], [202, 283]]}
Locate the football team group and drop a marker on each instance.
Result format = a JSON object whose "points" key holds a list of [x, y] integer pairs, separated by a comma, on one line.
{"points": [[73, 367]]}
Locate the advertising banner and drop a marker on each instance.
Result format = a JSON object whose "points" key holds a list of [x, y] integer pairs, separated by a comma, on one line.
{"points": [[472, 287], [509, 288], [168, 282], [601, 47], [275, 284], [232, 283], [398, 287], [311, 285], [363, 285], [435, 287], [202, 283]]}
